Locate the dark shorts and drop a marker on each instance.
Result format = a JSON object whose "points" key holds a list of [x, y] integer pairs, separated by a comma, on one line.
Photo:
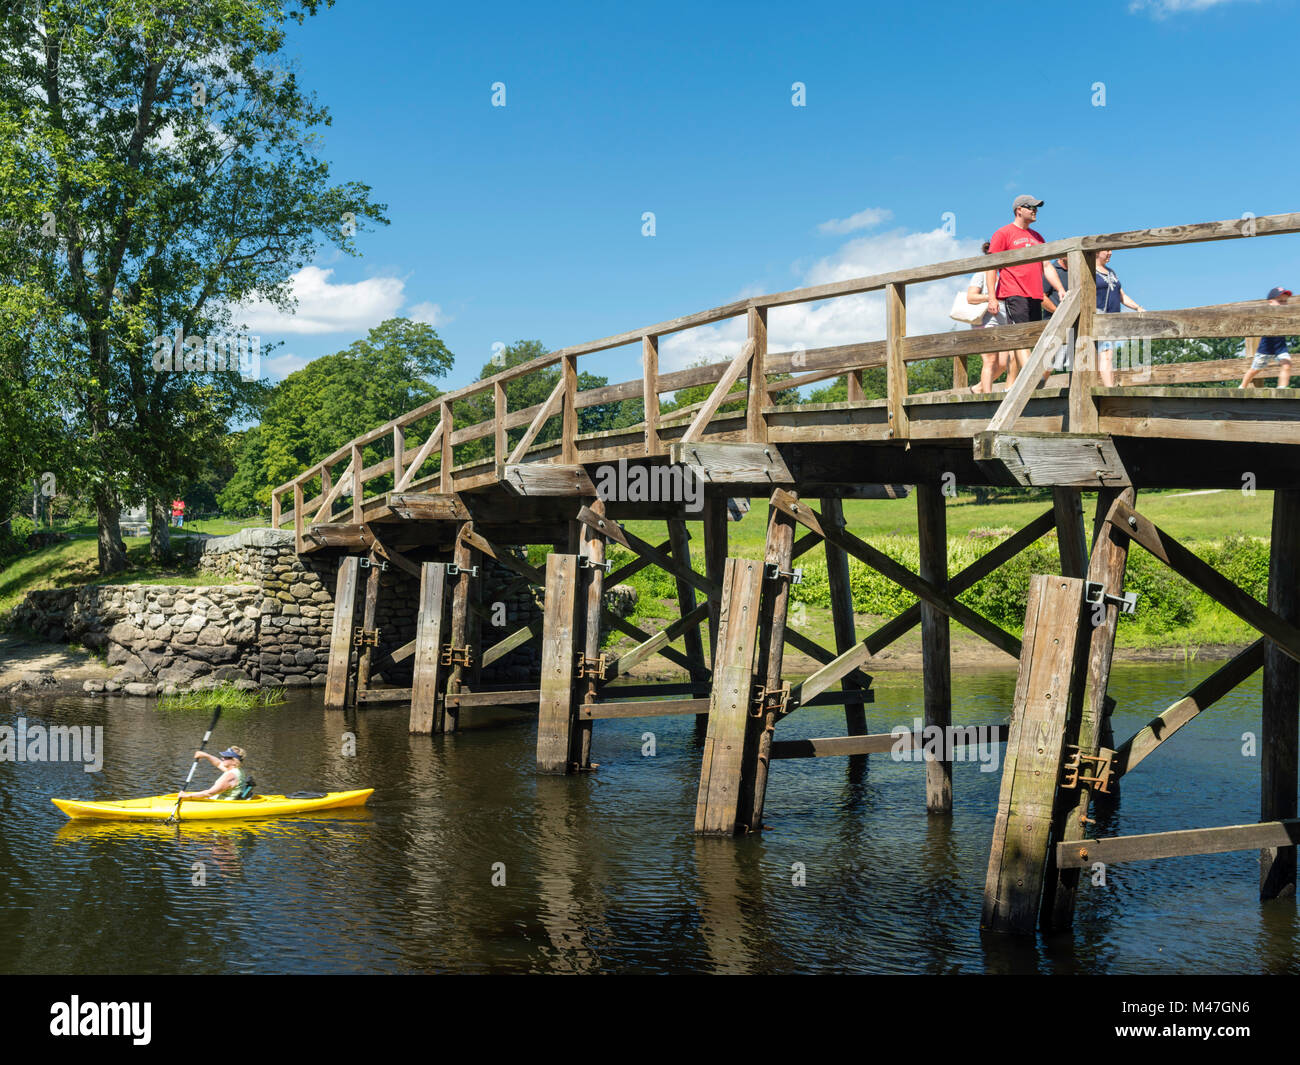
{"points": [[1023, 309]]}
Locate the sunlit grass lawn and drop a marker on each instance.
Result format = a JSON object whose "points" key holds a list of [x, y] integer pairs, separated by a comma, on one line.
{"points": [[76, 562], [1185, 517]]}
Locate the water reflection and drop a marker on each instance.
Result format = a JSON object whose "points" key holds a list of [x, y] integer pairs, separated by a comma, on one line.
{"points": [[467, 861]]}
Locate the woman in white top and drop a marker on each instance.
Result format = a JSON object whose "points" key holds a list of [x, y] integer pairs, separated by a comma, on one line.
{"points": [[1110, 298], [995, 363]]}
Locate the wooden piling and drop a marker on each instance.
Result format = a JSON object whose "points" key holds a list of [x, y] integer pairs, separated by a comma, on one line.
{"points": [[1089, 723], [932, 534], [693, 641], [1278, 734], [463, 557], [715, 558], [425, 695], [841, 591], [340, 660], [555, 712], [717, 802], [368, 622], [1049, 667], [593, 549], [771, 646]]}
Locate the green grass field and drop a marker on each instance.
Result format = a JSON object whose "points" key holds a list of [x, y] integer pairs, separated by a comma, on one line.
{"points": [[1184, 516], [76, 563], [1194, 518]]}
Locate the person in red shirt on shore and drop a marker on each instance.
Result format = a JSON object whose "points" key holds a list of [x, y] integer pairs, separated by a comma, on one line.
{"points": [[1020, 288], [178, 512]]}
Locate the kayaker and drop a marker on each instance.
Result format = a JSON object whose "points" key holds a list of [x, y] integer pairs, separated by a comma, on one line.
{"points": [[232, 779]]}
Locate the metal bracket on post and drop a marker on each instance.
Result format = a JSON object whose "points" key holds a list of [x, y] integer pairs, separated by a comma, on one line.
{"points": [[1096, 594], [1100, 763], [773, 572], [590, 563], [590, 667], [453, 570], [365, 563], [457, 656], [365, 637], [774, 700]]}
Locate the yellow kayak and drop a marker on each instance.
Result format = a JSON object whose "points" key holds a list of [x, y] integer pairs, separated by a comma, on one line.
{"points": [[161, 807]]}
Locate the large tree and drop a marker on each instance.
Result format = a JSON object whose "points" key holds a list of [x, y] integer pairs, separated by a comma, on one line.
{"points": [[157, 168]]}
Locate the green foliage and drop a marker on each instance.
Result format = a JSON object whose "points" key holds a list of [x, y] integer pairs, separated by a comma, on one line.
{"points": [[523, 392], [21, 527], [157, 169], [1165, 601], [226, 696], [1244, 561]]}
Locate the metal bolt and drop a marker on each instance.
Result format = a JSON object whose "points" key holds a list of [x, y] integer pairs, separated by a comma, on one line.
{"points": [[1132, 521]]}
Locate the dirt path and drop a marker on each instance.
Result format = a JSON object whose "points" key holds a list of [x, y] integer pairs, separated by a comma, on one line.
{"points": [[25, 654]]}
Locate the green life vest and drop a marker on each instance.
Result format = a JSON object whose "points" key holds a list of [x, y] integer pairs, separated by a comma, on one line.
{"points": [[242, 788]]}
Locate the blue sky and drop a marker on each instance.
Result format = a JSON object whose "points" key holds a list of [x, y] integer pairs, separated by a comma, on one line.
{"points": [[525, 221]]}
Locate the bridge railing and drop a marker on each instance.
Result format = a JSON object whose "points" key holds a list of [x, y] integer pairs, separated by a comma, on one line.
{"points": [[317, 491]]}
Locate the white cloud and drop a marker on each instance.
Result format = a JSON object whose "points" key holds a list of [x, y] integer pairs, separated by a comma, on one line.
{"points": [[428, 313], [865, 219], [1163, 8], [325, 307], [280, 365], [847, 319]]}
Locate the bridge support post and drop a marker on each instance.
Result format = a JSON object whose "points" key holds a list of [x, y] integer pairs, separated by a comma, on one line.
{"points": [[837, 572], [556, 719], [1278, 740], [593, 549], [774, 608], [694, 642], [715, 560], [426, 714], [368, 624], [1050, 668], [1089, 723], [932, 533], [718, 801], [340, 660], [464, 558]]}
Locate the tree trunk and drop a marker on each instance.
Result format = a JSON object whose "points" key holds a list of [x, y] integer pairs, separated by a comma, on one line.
{"points": [[160, 540], [112, 552]]}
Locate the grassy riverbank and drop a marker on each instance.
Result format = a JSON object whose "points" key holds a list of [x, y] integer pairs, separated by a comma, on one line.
{"points": [[1227, 529], [74, 563]]}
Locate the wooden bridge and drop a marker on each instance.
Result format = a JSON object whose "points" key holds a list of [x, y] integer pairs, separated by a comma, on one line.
{"points": [[436, 518]]}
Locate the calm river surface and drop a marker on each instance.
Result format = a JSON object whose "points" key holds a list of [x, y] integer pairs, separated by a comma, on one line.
{"points": [[602, 872]]}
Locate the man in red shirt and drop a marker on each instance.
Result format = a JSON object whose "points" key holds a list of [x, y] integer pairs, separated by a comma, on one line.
{"points": [[1020, 287]]}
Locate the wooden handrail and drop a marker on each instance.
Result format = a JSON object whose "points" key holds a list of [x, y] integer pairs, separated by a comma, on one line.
{"points": [[738, 366], [544, 412], [893, 352], [1063, 318]]}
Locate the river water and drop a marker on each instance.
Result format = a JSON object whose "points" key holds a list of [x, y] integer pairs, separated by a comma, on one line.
{"points": [[602, 872]]}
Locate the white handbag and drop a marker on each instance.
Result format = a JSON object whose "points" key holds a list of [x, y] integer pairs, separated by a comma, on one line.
{"points": [[965, 311]]}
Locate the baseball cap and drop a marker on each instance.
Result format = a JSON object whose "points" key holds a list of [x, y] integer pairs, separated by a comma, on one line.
{"points": [[1278, 293], [1027, 201]]}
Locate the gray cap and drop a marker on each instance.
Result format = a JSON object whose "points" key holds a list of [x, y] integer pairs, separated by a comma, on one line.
{"points": [[1026, 201]]}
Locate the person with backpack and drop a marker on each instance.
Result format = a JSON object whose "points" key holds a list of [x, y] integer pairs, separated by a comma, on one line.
{"points": [[234, 782], [994, 363]]}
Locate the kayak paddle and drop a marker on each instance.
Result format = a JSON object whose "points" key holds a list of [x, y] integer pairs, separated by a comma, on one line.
{"points": [[194, 764]]}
